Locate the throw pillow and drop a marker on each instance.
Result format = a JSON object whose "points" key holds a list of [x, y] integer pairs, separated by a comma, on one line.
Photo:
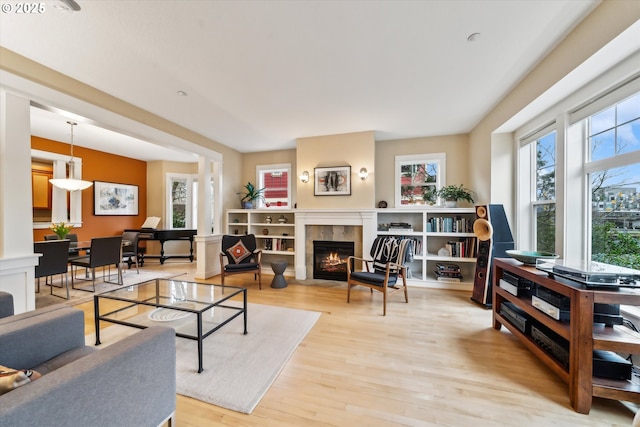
{"points": [[238, 252], [11, 378]]}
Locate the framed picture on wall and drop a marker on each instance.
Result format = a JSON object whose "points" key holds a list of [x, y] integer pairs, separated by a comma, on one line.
{"points": [[333, 181], [114, 199]]}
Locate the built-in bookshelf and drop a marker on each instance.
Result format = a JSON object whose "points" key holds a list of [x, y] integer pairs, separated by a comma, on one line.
{"points": [[274, 230], [443, 241]]}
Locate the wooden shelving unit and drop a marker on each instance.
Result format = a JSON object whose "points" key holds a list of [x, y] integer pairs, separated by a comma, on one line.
{"points": [[582, 334]]}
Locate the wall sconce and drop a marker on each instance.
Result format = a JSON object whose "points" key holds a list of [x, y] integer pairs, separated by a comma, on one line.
{"points": [[363, 174], [304, 177]]}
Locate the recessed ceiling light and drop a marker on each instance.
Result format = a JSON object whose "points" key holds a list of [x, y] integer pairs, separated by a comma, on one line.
{"points": [[181, 93], [473, 37]]}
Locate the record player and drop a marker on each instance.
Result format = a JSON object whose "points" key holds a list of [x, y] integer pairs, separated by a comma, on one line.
{"points": [[591, 274]]}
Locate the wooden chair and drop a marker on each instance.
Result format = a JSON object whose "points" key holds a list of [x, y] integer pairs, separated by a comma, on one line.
{"points": [[240, 255], [105, 252], [54, 259], [390, 256]]}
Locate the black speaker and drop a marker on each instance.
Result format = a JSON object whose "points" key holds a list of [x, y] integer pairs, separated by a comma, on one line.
{"points": [[494, 239]]}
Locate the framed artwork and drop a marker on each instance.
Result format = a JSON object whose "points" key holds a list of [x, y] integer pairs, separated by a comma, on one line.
{"points": [[114, 199], [333, 181]]}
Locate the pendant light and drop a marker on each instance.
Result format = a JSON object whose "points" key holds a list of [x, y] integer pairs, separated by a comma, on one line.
{"points": [[71, 184]]}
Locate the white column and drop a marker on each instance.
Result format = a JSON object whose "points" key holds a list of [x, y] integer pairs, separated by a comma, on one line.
{"points": [[16, 218], [207, 245]]}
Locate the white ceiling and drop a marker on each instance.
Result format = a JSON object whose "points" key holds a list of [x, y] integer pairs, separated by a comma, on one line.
{"points": [[260, 74]]}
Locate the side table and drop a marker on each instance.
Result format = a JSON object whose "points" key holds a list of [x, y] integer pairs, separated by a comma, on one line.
{"points": [[278, 268]]}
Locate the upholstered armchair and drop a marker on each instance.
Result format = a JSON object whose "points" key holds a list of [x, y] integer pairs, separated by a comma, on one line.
{"points": [[240, 255], [385, 272]]}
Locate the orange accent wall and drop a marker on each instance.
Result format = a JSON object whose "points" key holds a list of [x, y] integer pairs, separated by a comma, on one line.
{"points": [[101, 166]]}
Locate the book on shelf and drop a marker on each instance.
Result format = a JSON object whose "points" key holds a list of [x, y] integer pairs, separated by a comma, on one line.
{"points": [[447, 267], [401, 230], [462, 248], [456, 278], [457, 224]]}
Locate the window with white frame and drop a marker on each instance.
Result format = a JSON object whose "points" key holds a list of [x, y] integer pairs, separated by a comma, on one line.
{"points": [[595, 173], [418, 178], [276, 182], [544, 204], [612, 171], [182, 201]]}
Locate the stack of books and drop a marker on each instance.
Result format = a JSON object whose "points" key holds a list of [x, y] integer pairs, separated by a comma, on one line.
{"points": [[400, 227], [448, 272]]}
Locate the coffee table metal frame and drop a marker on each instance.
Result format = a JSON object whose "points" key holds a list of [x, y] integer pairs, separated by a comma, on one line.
{"points": [[154, 301]]}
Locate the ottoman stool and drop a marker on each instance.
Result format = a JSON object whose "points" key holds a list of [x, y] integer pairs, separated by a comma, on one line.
{"points": [[278, 268]]}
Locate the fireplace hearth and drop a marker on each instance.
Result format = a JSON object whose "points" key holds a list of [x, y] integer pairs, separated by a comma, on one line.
{"points": [[330, 259]]}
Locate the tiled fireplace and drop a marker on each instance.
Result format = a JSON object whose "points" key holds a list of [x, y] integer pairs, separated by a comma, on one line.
{"points": [[354, 226]]}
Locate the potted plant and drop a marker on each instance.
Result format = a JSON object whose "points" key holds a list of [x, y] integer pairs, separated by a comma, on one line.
{"points": [[61, 229], [452, 193], [250, 195]]}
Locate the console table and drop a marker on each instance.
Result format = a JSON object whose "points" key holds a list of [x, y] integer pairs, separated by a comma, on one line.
{"points": [[580, 331]]}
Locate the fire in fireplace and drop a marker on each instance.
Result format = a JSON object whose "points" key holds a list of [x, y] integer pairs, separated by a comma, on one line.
{"points": [[330, 259]]}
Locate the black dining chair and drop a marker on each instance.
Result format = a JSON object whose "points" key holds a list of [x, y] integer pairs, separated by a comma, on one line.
{"points": [[53, 261], [105, 252], [130, 251], [74, 252]]}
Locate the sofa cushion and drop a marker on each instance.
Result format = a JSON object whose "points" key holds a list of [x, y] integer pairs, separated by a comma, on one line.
{"points": [[64, 359]]}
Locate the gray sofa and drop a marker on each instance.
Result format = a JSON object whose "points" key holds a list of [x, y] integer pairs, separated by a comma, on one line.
{"points": [[130, 383]]}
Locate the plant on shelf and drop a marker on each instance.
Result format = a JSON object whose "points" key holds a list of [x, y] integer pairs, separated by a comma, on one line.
{"points": [[61, 229], [250, 195], [452, 193]]}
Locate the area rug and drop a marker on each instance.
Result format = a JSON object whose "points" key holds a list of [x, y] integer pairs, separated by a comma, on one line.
{"points": [[129, 277], [238, 368]]}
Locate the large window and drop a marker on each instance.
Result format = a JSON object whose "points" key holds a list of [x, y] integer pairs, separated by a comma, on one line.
{"points": [[418, 177], [537, 190], [579, 181], [544, 205], [613, 175], [275, 179]]}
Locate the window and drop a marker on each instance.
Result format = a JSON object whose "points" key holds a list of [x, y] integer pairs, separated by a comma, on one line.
{"points": [[182, 209], [544, 205], [537, 190], [181, 193], [418, 177], [613, 176], [275, 179]]}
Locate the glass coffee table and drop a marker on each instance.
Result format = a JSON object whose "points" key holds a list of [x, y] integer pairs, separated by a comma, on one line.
{"points": [[194, 310]]}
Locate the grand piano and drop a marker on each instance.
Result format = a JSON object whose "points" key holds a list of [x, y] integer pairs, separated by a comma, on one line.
{"points": [[164, 236]]}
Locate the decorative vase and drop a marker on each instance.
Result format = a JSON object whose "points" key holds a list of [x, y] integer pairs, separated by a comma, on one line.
{"points": [[62, 236], [450, 203]]}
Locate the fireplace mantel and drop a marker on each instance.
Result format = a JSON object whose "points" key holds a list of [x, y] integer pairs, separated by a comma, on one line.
{"points": [[304, 217]]}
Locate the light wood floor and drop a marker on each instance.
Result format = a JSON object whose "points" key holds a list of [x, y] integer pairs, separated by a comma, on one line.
{"points": [[433, 362]]}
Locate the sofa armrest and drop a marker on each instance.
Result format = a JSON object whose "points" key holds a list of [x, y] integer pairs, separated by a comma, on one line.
{"points": [[31, 338], [131, 382], [6, 304]]}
